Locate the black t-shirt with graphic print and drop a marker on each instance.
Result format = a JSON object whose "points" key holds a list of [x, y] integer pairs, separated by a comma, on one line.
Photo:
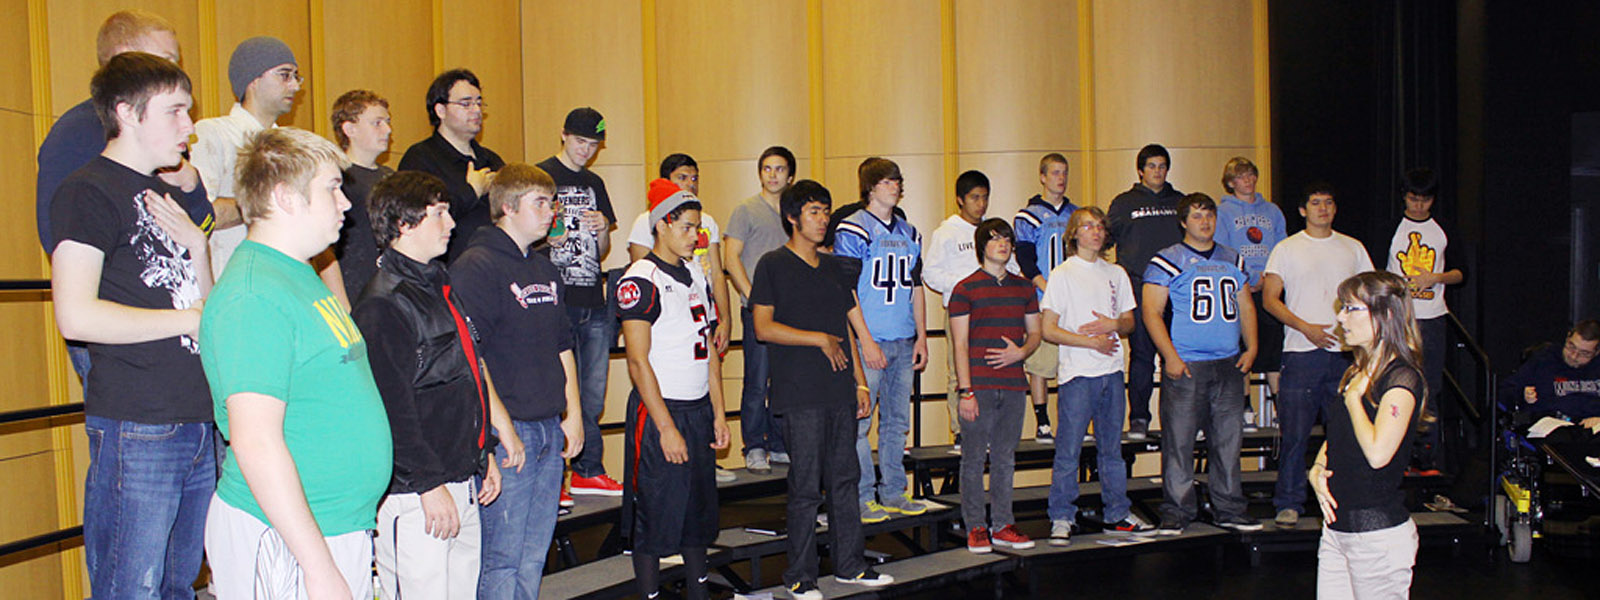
{"points": [[102, 205], [578, 254]]}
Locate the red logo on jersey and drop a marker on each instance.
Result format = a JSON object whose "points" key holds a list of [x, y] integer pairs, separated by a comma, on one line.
{"points": [[1253, 234], [628, 294]]}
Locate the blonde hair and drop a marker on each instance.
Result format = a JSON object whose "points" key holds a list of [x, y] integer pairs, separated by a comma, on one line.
{"points": [[1078, 218], [511, 182], [280, 155], [123, 29], [1237, 166]]}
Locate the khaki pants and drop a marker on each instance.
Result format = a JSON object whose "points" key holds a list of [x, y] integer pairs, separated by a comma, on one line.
{"points": [[413, 564]]}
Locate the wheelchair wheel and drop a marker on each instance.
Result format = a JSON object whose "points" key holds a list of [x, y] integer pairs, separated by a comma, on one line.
{"points": [[1521, 547]]}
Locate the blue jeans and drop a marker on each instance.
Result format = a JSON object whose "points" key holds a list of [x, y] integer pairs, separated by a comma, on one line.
{"points": [[594, 330], [758, 426], [144, 506], [1309, 379], [518, 525], [891, 398], [1079, 401]]}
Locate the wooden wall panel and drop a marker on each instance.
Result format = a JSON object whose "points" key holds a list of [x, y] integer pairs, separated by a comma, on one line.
{"points": [[19, 238], [486, 37], [1189, 85], [36, 578], [1017, 68], [723, 97], [584, 54], [72, 29], [400, 73], [287, 21], [18, 96], [882, 90]]}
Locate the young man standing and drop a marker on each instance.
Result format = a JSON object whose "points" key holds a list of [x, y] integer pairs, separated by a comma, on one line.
{"points": [[1088, 310], [293, 390], [754, 230], [453, 154], [427, 368], [1417, 252], [1041, 231], [1202, 365], [265, 79], [1142, 222], [951, 258], [1299, 288], [1251, 225], [684, 172], [989, 311], [882, 253], [361, 128], [129, 272], [512, 298], [78, 138], [580, 240], [675, 413], [804, 306]]}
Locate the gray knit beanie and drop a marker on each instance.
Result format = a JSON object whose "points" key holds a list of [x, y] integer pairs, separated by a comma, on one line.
{"points": [[254, 57]]}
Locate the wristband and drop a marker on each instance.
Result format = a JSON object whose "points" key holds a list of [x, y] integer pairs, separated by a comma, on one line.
{"points": [[964, 392], [862, 388]]}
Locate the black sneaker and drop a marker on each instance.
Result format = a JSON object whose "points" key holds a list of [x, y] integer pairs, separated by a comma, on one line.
{"points": [[958, 442], [805, 590], [1170, 527], [1239, 523], [1132, 525], [869, 578], [1138, 429]]}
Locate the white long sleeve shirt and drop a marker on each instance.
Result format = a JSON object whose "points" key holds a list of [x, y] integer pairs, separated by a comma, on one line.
{"points": [[950, 257]]}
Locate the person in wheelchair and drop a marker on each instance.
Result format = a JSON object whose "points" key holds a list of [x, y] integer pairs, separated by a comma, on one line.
{"points": [[1561, 382]]}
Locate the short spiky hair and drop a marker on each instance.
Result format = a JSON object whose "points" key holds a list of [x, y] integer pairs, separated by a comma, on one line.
{"points": [[123, 29], [279, 155], [511, 182], [132, 78], [348, 109]]}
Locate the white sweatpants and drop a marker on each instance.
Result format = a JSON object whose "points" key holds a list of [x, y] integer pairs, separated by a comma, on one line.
{"points": [[414, 565], [249, 561]]}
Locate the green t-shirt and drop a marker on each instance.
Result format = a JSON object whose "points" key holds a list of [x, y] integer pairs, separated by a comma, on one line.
{"points": [[272, 327]]}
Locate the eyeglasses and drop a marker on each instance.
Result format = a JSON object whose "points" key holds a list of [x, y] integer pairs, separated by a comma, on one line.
{"points": [[288, 76], [1350, 308], [468, 103], [1580, 353], [1093, 226]]}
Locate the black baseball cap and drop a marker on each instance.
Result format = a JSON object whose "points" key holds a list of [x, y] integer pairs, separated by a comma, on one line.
{"points": [[586, 122]]}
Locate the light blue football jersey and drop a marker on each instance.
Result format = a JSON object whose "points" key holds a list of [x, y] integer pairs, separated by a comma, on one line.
{"points": [[891, 265], [1203, 293], [1045, 227]]}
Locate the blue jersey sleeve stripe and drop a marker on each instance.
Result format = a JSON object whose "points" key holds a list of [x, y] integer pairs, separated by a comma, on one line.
{"points": [[1162, 263], [848, 227]]}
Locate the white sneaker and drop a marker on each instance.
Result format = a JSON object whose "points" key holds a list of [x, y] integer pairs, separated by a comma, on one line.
{"points": [[1061, 532], [1250, 423]]}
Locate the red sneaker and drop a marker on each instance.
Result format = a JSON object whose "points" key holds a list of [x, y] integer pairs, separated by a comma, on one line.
{"points": [[1009, 537], [978, 541], [566, 499], [599, 485]]}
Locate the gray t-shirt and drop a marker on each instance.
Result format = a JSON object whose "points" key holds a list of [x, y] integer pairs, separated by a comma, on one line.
{"points": [[758, 225]]}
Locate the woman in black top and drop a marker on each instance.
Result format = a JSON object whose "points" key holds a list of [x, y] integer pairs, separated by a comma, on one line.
{"points": [[1369, 542]]}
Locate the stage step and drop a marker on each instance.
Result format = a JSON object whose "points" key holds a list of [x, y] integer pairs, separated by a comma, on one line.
{"points": [[612, 577], [914, 574]]}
